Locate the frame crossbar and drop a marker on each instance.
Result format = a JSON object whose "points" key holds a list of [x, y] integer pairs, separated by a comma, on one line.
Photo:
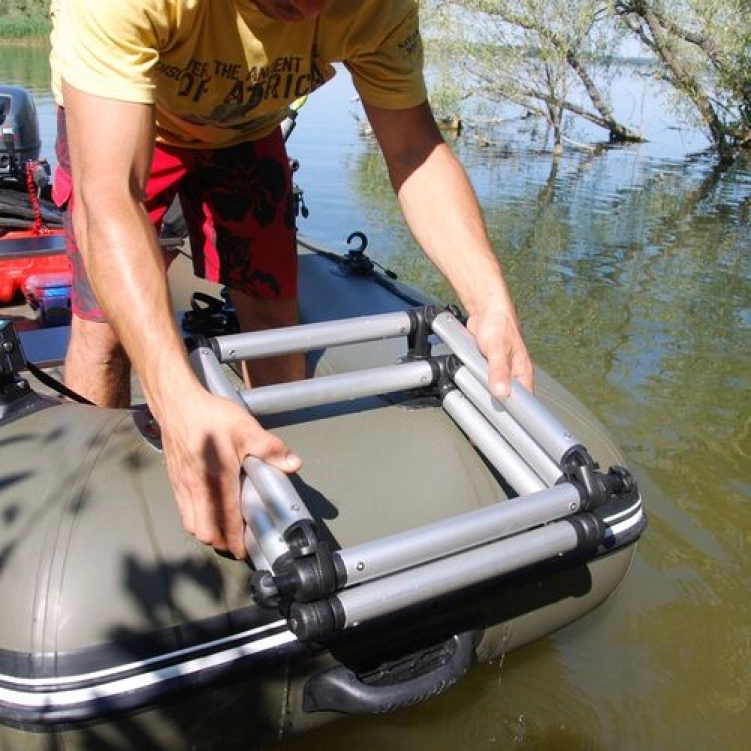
{"points": [[311, 336], [407, 549], [330, 389], [507, 426], [439, 577]]}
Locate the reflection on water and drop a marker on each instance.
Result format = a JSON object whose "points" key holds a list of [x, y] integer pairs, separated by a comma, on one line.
{"points": [[632, 274]]}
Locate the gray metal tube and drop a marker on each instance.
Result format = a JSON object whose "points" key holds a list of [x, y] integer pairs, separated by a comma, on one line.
{"points": [[392, 593], [267, 400], [209, 371], [308, 336], [405, 550], [493, 446], [269, 502], [257, 558], [529, 412], [284, 505], [263, 540], [508, 427], [280, 499]]}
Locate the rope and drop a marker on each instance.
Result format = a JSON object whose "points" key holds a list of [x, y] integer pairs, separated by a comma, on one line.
{"points": [[54, 384], [39, 227]]}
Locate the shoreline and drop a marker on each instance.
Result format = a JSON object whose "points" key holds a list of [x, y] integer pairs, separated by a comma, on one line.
{"points": [[18, 30], [30, 41]]}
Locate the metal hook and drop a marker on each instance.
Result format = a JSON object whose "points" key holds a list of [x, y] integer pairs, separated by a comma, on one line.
{"points": [[363, 241]]}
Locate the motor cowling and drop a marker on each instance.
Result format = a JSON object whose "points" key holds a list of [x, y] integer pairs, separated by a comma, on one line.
{"points": [[19, 130]]}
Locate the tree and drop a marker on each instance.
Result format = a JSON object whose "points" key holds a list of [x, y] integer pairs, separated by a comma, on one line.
{"points": [[24, 8], [552, 57], [705, 50], [538, 54]]}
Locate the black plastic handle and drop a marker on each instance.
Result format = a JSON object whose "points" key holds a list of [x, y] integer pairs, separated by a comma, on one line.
{"points": [[339, 689]]}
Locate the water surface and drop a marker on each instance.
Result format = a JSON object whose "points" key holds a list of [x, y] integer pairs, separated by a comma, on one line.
{"points": [[631, 269]]}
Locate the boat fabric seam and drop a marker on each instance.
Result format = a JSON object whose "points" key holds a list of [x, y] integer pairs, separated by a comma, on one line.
{"points": [[49, 701], [215, 646], [53, 560], [635, 508], [621, 527]]}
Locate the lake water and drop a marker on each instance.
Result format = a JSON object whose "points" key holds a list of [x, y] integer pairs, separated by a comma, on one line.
{"points": [[631, 269]]}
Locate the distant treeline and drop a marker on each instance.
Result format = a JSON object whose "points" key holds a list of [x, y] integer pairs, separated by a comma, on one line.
{"points": [[23, 20]]}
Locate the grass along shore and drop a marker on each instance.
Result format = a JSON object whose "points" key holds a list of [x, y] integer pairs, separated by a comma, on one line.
{"points": [[16, 29]]}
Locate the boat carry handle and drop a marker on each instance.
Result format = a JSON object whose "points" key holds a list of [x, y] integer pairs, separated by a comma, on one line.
{"points": [[323, 591], [341, 689]]}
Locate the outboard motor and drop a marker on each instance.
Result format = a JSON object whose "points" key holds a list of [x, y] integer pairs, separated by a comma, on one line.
{"points": [[19, 127]]}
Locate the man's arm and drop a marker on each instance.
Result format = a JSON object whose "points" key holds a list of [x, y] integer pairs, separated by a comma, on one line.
{"points": [[205, 437], [442, 211]]}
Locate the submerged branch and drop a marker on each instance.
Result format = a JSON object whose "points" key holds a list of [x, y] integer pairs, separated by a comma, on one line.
{"points": [[523, 95]]}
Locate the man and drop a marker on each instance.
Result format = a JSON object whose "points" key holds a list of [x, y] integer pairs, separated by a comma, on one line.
{"points": [[187, 95]]}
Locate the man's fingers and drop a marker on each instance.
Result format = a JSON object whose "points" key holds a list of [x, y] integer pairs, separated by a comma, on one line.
{"points": [[200, 501], [502, 371], [272, 450], [204, 450], [499, 338], [525, 374]]}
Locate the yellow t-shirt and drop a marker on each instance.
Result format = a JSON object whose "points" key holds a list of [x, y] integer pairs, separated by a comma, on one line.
{"points": [[219, 72]]}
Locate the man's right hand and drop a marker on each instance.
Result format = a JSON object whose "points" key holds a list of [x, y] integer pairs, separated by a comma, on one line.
{"points": [[205, 443]]}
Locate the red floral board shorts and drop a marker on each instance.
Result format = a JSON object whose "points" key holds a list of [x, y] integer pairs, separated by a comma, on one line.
{"points": [[237, 204]]}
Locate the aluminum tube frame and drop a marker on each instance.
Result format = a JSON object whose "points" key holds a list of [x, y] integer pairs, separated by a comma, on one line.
{"points": [[441, 577], [310, 336], [493, 446], [331, 389], [409, 567], [281, 500], [209, 371], [263, 540], [405, 550], [257, 557], [507, 426], [280, 505], [541, 424]]}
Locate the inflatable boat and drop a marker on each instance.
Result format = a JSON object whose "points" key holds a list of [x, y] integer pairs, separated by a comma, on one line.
{"points": [[431, 526]]}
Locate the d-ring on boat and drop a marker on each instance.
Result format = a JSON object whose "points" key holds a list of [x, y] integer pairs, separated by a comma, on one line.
{"points": [[430, 527]]}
